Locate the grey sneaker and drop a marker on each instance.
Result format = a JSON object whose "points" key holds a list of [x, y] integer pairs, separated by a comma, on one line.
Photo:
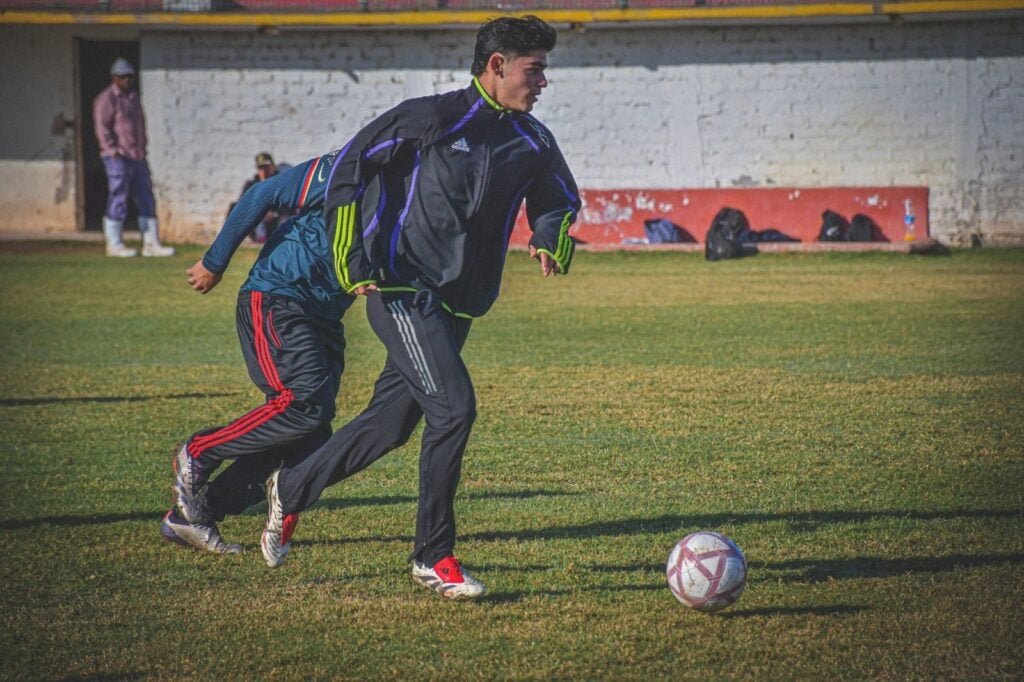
{"points": [[448, 579], [189, 485], [276, 539], [205, 537]]}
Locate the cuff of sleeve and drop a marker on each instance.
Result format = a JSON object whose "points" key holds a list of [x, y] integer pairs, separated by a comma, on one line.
{"points": [[563, 263], [356, 285], [214, 268]]}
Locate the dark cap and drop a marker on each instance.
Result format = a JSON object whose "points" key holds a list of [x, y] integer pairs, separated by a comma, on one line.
{"points": [[264, 159]]}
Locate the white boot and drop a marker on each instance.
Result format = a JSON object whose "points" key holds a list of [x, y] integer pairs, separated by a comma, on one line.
{"points": [[151, 245], [113, 230]]}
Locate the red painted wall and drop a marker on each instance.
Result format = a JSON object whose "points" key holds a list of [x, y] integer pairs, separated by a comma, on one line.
{"points": [[615, 217]]}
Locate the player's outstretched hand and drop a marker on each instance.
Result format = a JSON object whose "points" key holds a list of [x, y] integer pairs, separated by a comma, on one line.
{"points": [[201, 279], [548, 265]]}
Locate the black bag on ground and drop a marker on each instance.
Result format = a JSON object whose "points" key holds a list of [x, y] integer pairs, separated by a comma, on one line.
{"points": [[862, 229], [833, 227], [724, 238], [773, 235]]}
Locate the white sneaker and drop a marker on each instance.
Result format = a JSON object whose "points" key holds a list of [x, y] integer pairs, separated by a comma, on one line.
{"points": [[276, 539], [156, 249], [201, 536], [448, 579], [149, 226], [121, 251], [189, 486]]}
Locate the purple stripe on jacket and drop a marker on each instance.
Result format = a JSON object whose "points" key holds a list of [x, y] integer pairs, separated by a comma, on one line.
{"points": [[510, 221], [401, 218], [376, 216], [465, 118], [565, 189], [334, 167], [515, 124], [383, 145]]}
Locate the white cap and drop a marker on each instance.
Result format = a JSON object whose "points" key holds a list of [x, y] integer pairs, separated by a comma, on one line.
{"points": [[122, 67]]}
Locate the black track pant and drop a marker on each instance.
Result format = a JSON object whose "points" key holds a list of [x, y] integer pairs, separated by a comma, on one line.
{"points": [[424, 376], [297, 360]]}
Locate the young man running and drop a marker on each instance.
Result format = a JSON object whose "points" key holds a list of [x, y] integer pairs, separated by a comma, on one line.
{"points": [[288, 318], [420, 206]]}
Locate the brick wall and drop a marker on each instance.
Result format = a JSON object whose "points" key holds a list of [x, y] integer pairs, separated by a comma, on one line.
{"points": [[214, 100], [927, 104], [934, 104], [37, 170], [918, 104]]}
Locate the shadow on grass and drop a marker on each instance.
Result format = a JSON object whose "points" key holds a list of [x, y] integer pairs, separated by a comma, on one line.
{"points": [[837, 610], [22, 402], [678, 524], [344, 503], [808, 571], [91, 520], [823, 570], [801, 521], [514, 597], [335, 503]]}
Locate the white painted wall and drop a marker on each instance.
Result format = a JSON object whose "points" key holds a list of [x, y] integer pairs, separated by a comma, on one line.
{"points": [[936, 104], [37, 172]]}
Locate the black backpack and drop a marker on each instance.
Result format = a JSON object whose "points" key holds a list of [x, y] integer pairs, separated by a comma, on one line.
{"points": [[833, 227], [724, 238], [773, 235], [862, 229]]}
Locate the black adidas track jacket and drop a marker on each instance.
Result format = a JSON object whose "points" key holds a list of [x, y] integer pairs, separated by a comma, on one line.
{"points": [[426, 196]]}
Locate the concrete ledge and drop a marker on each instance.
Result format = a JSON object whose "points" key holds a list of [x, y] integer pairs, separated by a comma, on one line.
{"points": [[61, 236], [920, 245], [798, 247], [615, 217], [94, 237], [35, 12]]}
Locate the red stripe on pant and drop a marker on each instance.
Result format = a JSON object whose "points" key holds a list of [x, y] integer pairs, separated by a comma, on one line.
{"points": [[262, 343], [241, 426], [261, 415]]}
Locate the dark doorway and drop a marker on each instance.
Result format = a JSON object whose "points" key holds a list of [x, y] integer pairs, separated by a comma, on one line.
{"points": [[93, 59]]}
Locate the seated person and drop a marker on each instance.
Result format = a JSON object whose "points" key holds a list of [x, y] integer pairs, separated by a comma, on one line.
{"points": [[265, 168]]}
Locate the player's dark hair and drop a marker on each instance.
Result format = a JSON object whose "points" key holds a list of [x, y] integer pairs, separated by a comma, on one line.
{"points": [[512, 37]]}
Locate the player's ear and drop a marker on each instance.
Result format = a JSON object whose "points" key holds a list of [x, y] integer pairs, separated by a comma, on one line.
{"points": [[497, 63]]}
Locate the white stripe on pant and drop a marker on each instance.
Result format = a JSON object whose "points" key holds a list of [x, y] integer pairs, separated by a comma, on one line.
{"points": [[412, 345]]}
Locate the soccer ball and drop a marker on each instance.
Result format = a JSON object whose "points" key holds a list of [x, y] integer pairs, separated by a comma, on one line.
{"points": [[706, 571]]}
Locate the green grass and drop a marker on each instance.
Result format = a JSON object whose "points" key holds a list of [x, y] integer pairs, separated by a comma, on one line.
{"points": [[853, 421]]}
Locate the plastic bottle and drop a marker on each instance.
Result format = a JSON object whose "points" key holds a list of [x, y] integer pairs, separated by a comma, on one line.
{"points": [[909, 230]]}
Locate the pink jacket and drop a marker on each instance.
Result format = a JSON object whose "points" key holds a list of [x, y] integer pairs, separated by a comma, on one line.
{"points": [[120, 123]]}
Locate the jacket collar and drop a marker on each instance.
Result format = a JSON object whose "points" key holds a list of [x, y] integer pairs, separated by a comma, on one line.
{"points": [[477, 89]]}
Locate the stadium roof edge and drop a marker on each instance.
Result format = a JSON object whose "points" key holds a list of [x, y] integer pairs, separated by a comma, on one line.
{"points": [[819, 12]]}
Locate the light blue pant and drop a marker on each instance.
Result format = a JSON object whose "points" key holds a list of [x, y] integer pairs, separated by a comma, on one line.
{"points": [[127, 178]]}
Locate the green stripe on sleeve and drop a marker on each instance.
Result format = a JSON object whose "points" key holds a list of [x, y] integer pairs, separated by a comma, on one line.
{"points": [[564, 250], [343, 244]]}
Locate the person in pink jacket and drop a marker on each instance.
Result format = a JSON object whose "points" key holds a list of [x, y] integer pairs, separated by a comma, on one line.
{"points": [[121, 132]]}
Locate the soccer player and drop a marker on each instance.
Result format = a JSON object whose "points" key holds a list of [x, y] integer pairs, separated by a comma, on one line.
{"points": [[288, 318], [420, 206]]}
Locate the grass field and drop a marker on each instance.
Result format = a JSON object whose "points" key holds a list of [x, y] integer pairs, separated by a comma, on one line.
{"points": [[853, 421]]}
